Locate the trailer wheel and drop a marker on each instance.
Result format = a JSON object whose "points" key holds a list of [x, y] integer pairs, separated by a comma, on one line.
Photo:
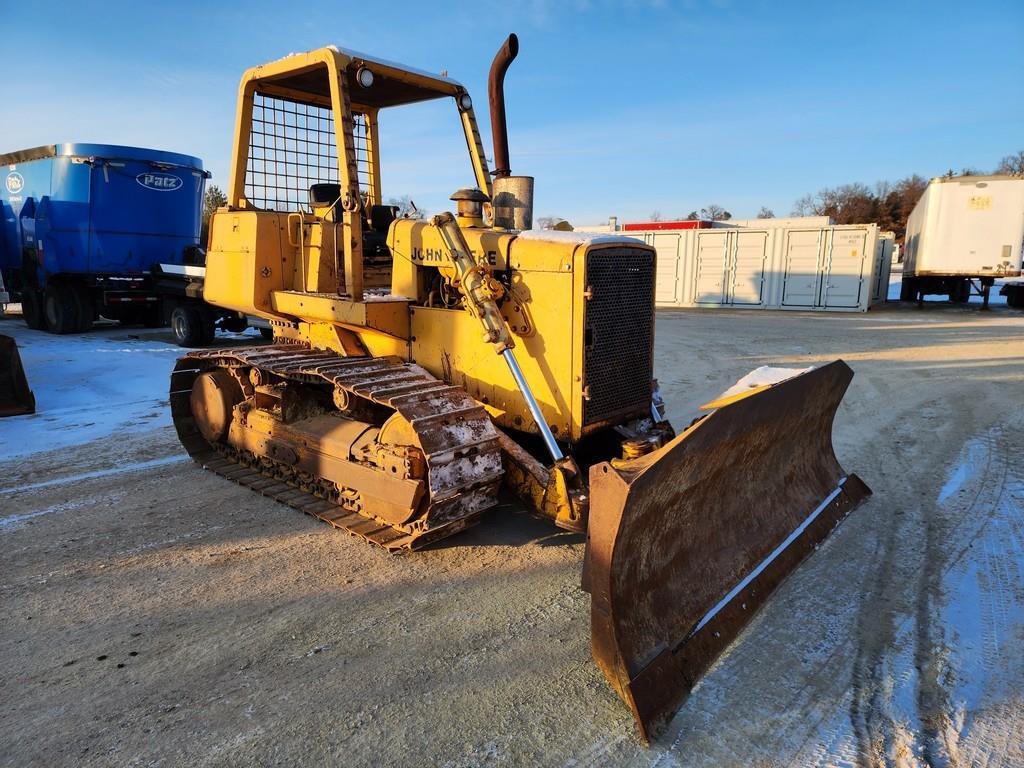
{"points": [[32, 309], [60, 308], [234, 324], [962, 293], [191, 327], [908, 290], [84, 308], [1015, 299]]}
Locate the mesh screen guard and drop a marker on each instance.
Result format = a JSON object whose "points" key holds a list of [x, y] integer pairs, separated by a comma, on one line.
{"points": [[291, 147]]}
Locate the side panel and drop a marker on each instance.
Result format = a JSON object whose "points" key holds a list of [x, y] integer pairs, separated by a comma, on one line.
{"points": [[248, 261], [750, 256], [844, 280], [883, 268], [449, 344], [19, 183], [142, 214], [710, 267], [62, 219], [802, 277], [668, 278]]}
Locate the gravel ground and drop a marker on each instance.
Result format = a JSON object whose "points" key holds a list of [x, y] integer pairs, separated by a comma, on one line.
{"points": [[155, 614]]}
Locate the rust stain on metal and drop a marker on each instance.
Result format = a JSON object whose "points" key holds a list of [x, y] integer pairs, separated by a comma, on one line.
{"points": [[687, 542], [425, 464]]}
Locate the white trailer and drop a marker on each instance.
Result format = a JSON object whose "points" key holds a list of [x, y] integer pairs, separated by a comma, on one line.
{"points": [[963, 234]]}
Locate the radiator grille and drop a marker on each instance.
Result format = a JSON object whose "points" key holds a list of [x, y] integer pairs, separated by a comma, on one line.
{"points": [[618, 334]]}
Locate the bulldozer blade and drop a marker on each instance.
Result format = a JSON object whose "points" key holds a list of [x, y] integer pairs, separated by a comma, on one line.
{"points": [[685, 543], [15, 396]]}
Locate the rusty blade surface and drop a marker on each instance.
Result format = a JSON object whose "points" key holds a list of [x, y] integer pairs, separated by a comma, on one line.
{"points": [[15, 395], [686, 543]]}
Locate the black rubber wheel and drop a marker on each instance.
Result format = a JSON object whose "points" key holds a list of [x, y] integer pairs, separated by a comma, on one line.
{"points": [[61, 309], [84, 308], [234, 324], [267, 333], [32, 309], [192, 327], [962, 293], [907, 290], [1015, 299]]}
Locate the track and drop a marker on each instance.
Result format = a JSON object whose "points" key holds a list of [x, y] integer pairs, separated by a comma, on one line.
{"points": [[460, 443]]}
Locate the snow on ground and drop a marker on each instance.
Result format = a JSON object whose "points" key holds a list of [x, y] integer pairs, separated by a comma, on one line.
{"points": [[110, 380], [951, 667]]}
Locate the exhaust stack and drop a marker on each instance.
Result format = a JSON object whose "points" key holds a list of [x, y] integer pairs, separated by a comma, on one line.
{"points": [[512, 197], [496, 94]]}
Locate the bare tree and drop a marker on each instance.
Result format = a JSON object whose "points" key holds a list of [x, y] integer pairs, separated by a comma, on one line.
{"points": [[804, 206], [766, 213], [407, 208], [1011, 163], [548, 222], [846, 204], [889, 204], [710, 213], [655, 216]]}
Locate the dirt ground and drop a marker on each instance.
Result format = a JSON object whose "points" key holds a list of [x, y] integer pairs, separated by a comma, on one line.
{"points": [[160, 615]]}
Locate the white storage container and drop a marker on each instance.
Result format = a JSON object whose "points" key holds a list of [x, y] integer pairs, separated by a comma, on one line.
{"points": [[803, 268], [967, 226]]}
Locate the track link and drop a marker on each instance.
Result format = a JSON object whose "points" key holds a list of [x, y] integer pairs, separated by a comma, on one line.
{"points": [[459, 441]]}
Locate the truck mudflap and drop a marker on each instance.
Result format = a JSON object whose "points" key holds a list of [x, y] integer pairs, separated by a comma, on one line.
{"points": [[685, 543], [15, 396]]}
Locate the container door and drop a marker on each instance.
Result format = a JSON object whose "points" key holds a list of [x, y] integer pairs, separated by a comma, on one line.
{"points": [[749, 258], [803, 273], [667, 244], [844, 283], [710, 269]]}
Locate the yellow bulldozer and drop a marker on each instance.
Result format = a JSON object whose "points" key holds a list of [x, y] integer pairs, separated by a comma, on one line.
{"points": [[419, 367]]}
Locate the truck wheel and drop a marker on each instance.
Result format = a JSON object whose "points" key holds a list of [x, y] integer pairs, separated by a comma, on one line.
{"points": [[962, 293], [209, 321], [234, 324], [84, 308], [1015, 299], [32, 309], [60, 308], [191, 327]]}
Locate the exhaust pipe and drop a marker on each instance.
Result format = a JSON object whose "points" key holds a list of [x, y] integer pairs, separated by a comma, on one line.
{"points": [[496, 94], [512, 196]]}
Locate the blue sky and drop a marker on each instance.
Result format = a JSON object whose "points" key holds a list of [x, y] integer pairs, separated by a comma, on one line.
{"points": [[616, 107]]}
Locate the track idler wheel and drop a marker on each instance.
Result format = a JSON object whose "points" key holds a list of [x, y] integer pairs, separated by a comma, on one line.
{"points": [[214, 397]]}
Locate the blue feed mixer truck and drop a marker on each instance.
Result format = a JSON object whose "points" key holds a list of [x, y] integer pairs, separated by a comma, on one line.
{"points": [[93, 230]]}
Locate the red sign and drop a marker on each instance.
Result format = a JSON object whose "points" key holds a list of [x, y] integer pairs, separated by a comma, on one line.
{"points": [[659, 225]]}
